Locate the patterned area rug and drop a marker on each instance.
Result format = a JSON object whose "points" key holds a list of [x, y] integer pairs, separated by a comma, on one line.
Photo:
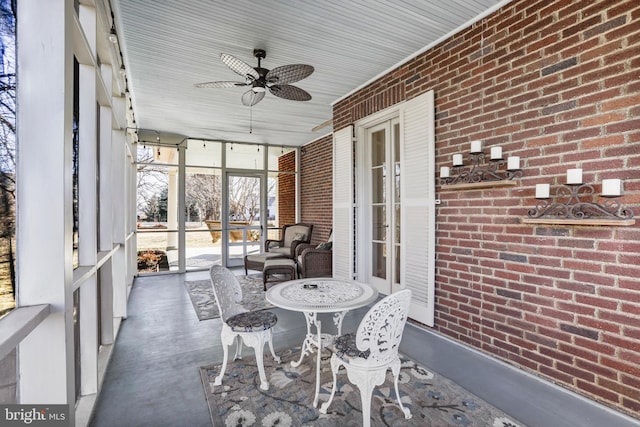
{"points": [[204, 302], [433, 400]]}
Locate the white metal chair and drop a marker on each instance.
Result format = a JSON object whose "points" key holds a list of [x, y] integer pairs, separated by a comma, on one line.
{"points": [[238, 324], [372, 350]]}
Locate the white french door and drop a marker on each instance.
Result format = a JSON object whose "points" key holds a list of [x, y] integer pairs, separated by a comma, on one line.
{"points": [[243, 215], [384, 205]]}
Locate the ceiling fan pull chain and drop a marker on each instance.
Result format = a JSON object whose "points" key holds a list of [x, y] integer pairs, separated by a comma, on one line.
{"points": [[251, 119]]}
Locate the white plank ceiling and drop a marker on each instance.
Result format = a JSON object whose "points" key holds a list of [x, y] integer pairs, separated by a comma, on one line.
{"points": [[170, 45]]}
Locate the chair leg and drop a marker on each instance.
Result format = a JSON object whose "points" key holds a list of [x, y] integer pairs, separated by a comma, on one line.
{"points": [[238, 354], [227, 338], [257, 342], [273, 353], [366, 381], [366, 390], [395, 369], [335, 367]]}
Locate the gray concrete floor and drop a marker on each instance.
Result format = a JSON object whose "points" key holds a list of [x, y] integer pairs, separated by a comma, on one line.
{"points": [[153, 377]]}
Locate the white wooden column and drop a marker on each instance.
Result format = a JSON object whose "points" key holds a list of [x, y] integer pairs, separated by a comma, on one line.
{"points": [[172, 209], [88, 241], [118, 166], [132, 256], [181, 220], [44, 198], [106, 213]]}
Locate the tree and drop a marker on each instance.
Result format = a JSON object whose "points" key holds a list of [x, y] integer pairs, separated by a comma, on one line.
{"points": [[7, 153], [244, 198], [152, 181], [203, 195]]}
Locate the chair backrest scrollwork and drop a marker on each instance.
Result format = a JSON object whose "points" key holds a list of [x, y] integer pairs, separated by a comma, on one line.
{"points": [[381, 329], [227, 291]]}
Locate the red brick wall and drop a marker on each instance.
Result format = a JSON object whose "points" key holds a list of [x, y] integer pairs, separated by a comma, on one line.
{"points": [[316, 183], [287, 189], [558, 84]]}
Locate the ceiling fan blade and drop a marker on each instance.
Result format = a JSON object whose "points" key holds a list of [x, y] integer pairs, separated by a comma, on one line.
{"points": [[221, 84], [239, 66], [250, 97], [289, 73], [290, 92]]}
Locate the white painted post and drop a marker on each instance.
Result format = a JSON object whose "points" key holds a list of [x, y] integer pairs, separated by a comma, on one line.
{"points": [[44, 201], [119, 213], [106, 214]]}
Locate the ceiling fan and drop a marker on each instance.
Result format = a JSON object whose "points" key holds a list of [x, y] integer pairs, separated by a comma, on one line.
{"points": [[260, 79]]}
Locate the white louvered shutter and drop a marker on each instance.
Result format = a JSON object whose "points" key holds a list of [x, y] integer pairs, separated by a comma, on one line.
{"points": [[418, 205], [343, 203]]}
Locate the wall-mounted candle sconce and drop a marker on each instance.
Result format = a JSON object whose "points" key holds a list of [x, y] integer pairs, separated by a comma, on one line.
{"points": [[477, 172], [576, 201]]}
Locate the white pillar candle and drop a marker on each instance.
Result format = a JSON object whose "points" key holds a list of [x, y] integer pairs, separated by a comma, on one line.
{"points": [[496, 153], [444, 172], [574, 176], [542, 191], [476, 146], [513, 163], [457, 160], [611, 187]]}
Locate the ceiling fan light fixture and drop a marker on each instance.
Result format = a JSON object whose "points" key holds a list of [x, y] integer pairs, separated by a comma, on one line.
{"points": [[258, 89]]}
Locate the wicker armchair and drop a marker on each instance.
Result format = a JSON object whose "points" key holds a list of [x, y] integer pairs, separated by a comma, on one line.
{"points": [[314, 261], [292, 235]]}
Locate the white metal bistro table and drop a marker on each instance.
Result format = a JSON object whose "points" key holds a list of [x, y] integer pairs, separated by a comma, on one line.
{"points": [[320, 295]]}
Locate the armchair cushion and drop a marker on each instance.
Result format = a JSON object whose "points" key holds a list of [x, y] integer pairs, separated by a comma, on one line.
{"points": [[326, 246], [295, 232], [292, 236]]}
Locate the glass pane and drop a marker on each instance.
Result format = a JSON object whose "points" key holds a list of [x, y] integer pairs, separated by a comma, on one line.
{"points": [[244, 199], [244, 216], [157, 211], [203, 203], [75, 159], [378, 148], [282, 159], [396, 158], [397, 221], [7, 173], [378, 185], [145, 153], [154, 250], [202, 247], [397, 183], [397, 267], [379, 262], [149, 152], [153, 195], [396, 142], [379, 223], [245, 156], [203, 153], [76, 342], [203, 195]]}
